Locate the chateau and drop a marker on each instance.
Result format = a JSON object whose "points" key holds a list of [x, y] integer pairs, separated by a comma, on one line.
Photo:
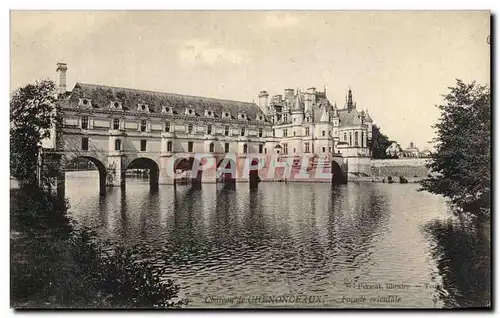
{"points": [[112, 123], [306, 122]]}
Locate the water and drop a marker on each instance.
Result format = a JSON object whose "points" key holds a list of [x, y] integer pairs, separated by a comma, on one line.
{"points": [[334, 247]]}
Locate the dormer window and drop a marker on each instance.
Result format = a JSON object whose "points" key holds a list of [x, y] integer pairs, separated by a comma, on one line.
{"points": [[166, 110], [115, 105], [144, 108], [85, 102], [189, 111], [242, 116], [209, 113], [227, 115]]}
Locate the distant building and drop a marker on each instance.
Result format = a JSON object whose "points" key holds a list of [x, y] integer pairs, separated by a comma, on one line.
{"points": [[425, 153], [411, 151]]}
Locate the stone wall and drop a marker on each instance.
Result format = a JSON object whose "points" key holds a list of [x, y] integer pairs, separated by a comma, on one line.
{"points": [[412, 169]]}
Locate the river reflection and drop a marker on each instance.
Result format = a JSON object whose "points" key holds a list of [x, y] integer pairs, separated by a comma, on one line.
{"points": [[280, 239]]}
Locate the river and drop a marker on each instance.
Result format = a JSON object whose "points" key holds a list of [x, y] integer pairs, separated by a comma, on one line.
{"points": [[295, 245]]}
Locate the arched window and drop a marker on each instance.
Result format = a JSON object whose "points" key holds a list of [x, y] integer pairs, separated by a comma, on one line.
{"points": [[356, 135], [362, 139], [212, 147], [169, 146], [118, 144], [345, 136], [350, 139], [245, 148]]}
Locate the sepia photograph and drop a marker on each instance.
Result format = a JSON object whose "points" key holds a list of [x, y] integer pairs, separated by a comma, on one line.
{"points": [[250, 159]]}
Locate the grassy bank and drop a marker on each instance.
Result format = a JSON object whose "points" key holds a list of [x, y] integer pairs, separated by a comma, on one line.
{"points": [[55, 265]]}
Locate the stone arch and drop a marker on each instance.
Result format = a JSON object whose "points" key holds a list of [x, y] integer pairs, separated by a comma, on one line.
{"points": [[101, 168], [226, 177], [339, 172], [185, 165], [151, 165]]}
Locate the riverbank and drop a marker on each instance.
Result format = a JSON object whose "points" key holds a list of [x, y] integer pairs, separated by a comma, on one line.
{"points": [[55, 264]]}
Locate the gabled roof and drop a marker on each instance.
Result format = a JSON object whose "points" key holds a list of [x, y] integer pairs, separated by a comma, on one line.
{"points": [[102, 96]]}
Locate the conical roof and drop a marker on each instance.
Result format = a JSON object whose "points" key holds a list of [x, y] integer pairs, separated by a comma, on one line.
{"points": [[367, 117]]}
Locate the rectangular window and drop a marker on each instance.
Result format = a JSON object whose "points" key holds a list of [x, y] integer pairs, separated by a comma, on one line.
{"points": [[209, 129], [323, 133], [307, 131], [143, 145], [85, 143], [169, 146], [226, 147], [294, 133], [143, 125], [242, 131], [226, 131], [167, 127], [85, 122], [285, 149], [260, 132], [285, 132], [116, 123], [190, 146], [260, 148], [329, 149], [306, 147], [190, 128]]}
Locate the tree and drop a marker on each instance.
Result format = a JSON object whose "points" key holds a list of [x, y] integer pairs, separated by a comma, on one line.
{"points": [[378, 143], [31, 117], [461, 164]]}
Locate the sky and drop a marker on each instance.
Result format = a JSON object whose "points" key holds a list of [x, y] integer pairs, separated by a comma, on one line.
{"points": [[398, 64]]}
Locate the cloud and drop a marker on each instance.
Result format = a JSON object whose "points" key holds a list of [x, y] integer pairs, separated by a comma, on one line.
{"points": [[281, 19], [202, 52]]}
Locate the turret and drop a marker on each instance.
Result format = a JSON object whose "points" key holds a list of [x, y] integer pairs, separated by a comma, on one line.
{"points": [[334, 115], [325, 115], [264, 101]]}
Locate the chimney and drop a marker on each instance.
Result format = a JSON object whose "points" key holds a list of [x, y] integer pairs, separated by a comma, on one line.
{"points": [[61, 74], [263, 101]]}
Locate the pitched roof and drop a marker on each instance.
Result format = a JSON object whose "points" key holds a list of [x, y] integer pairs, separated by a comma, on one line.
{"points": [[102, 96], [349, 118]]}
